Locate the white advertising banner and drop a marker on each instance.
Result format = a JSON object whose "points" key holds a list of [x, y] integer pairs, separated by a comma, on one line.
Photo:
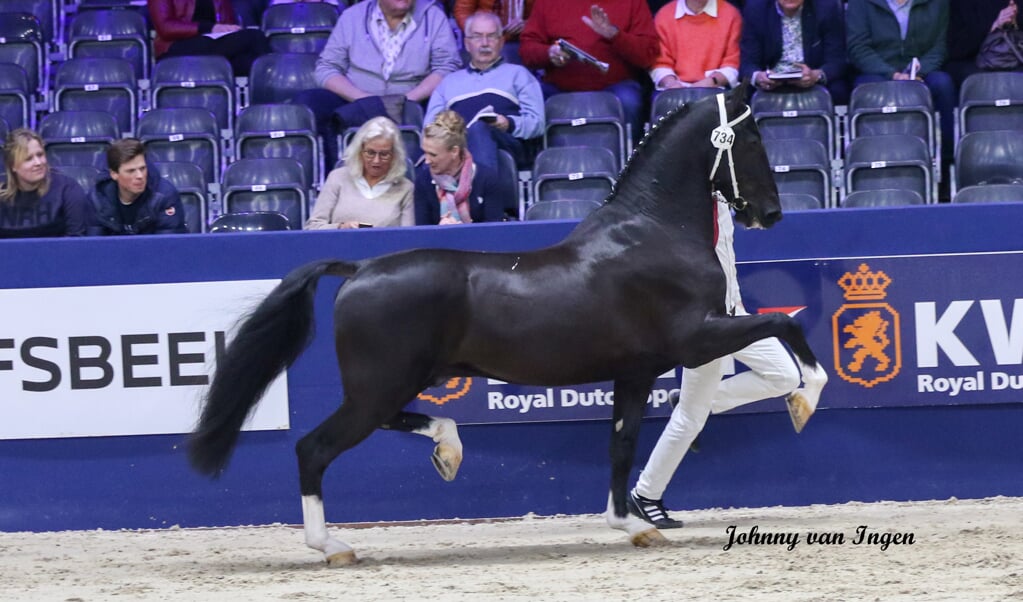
{"points": [[120, 360]]}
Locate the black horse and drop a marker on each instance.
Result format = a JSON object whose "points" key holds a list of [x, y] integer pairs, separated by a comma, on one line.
{"points": [[633, 291]]}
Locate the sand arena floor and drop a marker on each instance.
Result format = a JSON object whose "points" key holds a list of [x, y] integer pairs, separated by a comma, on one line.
{"points": [[960, 550]]}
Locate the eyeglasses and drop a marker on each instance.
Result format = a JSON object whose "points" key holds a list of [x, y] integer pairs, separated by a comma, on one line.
{"points": [[372, 155], [490, 37]]}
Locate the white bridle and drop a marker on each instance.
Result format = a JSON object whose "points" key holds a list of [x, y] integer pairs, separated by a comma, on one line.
{"points": [[723, 137]]}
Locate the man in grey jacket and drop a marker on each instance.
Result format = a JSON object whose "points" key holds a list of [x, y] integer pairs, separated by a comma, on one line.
{"points": [[379, 49]]}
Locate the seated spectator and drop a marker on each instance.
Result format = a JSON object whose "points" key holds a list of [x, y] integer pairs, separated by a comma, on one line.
{"points": [[618, 32], [370, 189], [501, 102], [205, 27], [380, 54], [35, 201], [450, 187], [134, 199], [806, 36], [699, 45], [511, 13], [969, 23], [883, 42]]}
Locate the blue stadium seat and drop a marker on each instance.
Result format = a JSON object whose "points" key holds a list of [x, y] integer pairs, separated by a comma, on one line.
{"points": [[802, 166], [668, 100], [798, 201], [119, 34], [892, 162], [16, 98], [280, 130], [45, 12], [250, 221], [22, 43], [199, 82], [992, 157], [4, 128], [883, 197], [803, 114], [299, 26], [411, 128], [593, 119], [98, 84], [278, 76], [78, 137], [893, 107], [990, 101], [191, 186], [85, 175], [561, 209], [189, 135], [990, 193], [573, 172], [508, 173], [266, 185]]}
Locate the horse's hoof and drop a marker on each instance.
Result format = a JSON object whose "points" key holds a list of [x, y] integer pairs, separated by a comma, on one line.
{"points": [[649, 538], [446, 460], [346, 558], [800, 409]]}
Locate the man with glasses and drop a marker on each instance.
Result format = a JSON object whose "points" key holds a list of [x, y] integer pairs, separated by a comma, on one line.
{"points": [[501, 102]]}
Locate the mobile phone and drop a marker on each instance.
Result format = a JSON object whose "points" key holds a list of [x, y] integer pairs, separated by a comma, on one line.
{"points": [[365, 225], [489, 118]]}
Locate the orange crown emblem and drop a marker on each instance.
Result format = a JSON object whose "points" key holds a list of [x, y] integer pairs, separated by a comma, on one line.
{"points": [[864, 285]]}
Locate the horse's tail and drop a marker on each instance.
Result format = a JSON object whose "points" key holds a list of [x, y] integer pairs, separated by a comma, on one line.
{"points": [[268, 340]]}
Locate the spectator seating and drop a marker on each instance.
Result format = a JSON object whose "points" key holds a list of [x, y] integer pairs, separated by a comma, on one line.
{"points": [[990, 101], [196, 81], [893, 107], [411, 128], [573, 172], [78, 137], [674, 98], [278, 76], [994, 157], [188, 179], [798, 201], [561, 209], [98, 84], [266, 185], [4, 128], [45, 12], [508, 174], [990, 193], [593, 119], [891, 161], [16, 104], [184, 134], [300, 26], [802, 166], [85, 175], [883, 197], [797, 114], [250, 221], [114, 34], [280, 130], [22, 43]]}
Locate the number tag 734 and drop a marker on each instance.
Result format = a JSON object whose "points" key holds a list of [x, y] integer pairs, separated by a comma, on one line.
{"points": [[722, 137]]}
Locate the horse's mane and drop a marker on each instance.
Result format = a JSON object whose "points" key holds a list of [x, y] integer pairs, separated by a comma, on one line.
{"points": [[643, 146]]}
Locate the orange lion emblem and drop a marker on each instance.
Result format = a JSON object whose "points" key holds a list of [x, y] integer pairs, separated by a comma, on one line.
{"points": [[870, 339]]}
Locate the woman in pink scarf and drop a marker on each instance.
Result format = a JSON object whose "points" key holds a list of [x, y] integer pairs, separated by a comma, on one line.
{"points": [[450, 187]]}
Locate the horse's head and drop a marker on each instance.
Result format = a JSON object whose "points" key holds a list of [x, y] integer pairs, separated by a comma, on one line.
{"points": [[742, 173]]}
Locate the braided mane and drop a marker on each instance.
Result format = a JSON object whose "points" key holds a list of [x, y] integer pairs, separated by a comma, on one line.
{"points": [[655, 133]]}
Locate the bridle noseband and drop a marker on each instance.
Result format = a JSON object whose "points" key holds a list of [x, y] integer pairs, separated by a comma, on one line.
{"points": [[723, 137]]}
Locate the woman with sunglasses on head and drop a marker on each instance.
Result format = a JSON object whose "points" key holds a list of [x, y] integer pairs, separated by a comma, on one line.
{"points": [[370, 189]]}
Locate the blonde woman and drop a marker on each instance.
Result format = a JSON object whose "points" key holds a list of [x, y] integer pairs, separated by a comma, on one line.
{"points": [[370, 189], [450, 187], [35, 202]]}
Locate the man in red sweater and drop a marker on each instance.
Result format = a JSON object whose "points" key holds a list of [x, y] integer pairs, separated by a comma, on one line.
{"points": [[618, 32]]}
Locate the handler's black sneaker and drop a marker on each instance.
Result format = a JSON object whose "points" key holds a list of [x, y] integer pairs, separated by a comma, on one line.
{"points": [[652, 511]]}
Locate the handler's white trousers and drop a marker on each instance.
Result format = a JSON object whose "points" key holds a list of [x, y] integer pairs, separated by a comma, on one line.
{"points": [[772, 373]]}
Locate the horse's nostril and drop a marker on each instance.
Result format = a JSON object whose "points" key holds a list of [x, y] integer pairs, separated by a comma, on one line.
{"points": [[772, 217]]}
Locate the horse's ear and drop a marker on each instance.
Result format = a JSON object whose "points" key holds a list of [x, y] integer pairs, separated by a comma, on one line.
{"points": [[741, 93]]}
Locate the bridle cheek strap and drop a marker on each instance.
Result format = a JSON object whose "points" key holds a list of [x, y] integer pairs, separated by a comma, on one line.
{"points": [[723, 137]]}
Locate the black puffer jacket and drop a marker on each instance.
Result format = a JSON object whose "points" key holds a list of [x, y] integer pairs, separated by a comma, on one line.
{"points": [[160, 210]]}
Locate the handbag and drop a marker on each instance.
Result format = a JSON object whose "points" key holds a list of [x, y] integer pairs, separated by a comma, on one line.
{"points": [[1002, 50]]}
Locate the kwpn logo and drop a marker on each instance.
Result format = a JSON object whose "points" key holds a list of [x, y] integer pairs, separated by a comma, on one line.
{"points": [[455, 388], [868, 349]]}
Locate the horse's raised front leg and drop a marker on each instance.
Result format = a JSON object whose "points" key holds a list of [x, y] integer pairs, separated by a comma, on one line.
{"points": [[629, 404], [343, 430], [722, 336], [447, 456]]}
